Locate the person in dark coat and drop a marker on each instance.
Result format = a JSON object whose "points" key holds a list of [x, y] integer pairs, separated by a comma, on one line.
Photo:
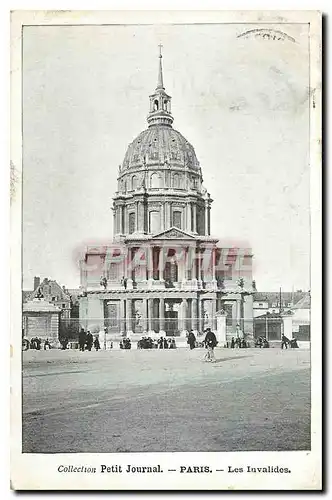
{"points": [[210, 342], [82, 339], [233, 343], [96, 343], [165, 343], [284, 342], [294, 344], [89, 341], [191, 340]]}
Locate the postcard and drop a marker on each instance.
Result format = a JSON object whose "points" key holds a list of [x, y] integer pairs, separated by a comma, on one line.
{"points": [[166, 250]]}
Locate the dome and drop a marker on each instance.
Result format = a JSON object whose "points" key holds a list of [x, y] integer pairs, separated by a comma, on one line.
{"points": [[160, 144]]}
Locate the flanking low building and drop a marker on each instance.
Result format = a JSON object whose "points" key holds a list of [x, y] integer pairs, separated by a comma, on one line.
{"points": [[165, 273]]}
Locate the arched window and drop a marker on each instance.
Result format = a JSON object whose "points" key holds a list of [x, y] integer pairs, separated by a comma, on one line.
{"points": [[165, 105], [134, 182], [155, 180], [155, 105]]}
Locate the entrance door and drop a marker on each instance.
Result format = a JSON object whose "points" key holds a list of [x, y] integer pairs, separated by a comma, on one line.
{"points": [[171, 322]]}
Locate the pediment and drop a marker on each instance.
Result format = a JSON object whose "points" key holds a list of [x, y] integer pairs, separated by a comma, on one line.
{"points": [[173, 233]]}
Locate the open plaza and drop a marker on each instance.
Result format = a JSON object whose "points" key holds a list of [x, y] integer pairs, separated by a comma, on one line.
{"points": [[165, 400]]}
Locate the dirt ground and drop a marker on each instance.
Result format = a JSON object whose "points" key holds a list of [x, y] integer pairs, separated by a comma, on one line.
{"points": [[141, 401]]}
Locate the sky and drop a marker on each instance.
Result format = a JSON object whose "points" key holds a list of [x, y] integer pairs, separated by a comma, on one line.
{"points": [[243, 103]]}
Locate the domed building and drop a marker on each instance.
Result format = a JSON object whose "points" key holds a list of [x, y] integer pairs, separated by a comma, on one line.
{"points": [[164, 274], [160, 182]]}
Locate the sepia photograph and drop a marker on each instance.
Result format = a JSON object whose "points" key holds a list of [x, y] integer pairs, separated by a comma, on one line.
{"points": [[166, 240]]}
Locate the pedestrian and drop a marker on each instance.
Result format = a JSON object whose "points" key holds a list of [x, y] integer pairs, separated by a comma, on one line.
{"points": [[191, 340], [82, 339], [284, 342], [89, 341], [210, 342], [233, 343], [46, 345], [165, 343], [173, 344], [294, 344], [96, 343]]}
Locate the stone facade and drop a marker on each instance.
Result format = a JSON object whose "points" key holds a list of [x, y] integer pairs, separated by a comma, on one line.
{"points": [[164, 274], [41, 319], [52, 292]]}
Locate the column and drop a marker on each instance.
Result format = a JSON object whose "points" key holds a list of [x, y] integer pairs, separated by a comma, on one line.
{"points": [[122, 317], [209, 220], [206, 224], [149, 261], [199, 267], [200, 315], [161, 263], [129, 317], [184, 316], [140, 216], [137, 215], [213, 313], [213, 270], [162, 316], [188, 227], [150, 315], [221, 329], [167, 215], [114, 222], [194, 325], [162, 216], [125, 220], [194, 208], [145, 315]]}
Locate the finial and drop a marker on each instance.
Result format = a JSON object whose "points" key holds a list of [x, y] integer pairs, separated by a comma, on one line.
{"points": [[160, 47]]}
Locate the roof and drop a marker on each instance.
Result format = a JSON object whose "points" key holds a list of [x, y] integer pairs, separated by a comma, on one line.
{"points": [[303, 303], [40, 305], [56, 289], [274, 297], [268, 315]]}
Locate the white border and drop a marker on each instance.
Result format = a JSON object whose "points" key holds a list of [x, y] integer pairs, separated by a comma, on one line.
{"points": [[306, 466]]}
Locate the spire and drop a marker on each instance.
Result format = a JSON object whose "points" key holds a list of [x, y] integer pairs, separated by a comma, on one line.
{"points": [[160, 73], [160, 102]]}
